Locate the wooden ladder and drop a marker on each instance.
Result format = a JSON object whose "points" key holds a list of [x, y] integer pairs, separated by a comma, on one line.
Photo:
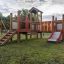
{"points": [[7, 37]]}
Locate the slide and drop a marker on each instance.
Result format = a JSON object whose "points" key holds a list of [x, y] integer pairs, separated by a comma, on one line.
{"points": [[55, 37], [7, 37]]}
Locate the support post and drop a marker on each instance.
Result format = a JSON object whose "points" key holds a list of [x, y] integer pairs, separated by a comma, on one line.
{"points": [[47, 27], [18, 19], [41, 26], [52, 24], [10, 21], [30, 25], [30, 35], [37, 25], [63, 27], [40, 35], [18, 37], [37, 35], [26, 36], [56, 24], [1, 27]]}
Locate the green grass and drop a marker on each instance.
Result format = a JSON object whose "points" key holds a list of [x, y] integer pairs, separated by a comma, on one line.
{"points": [[32, 51]]}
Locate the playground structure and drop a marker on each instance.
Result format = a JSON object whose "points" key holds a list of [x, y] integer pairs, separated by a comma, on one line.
{"points": [[26, 27], [29, 26], [58, 30], [34, 25]]}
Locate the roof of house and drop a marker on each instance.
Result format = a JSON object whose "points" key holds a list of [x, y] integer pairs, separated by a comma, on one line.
{"points": [[34, 10]]}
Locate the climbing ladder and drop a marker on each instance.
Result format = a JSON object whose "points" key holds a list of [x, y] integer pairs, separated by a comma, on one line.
{"points": [[7, 37]]}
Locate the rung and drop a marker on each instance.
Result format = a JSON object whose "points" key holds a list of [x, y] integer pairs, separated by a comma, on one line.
{"points": [[0, 41], [7, 37], [4, 39]]}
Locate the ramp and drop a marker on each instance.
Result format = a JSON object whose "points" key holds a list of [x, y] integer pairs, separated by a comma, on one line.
{"points": [[7, 37], [55, 37]]}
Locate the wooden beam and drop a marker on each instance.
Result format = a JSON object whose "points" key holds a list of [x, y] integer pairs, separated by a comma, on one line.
{"points": [[26, 36], [10, 21], [55, 29], [11, 24], [41, 26], [1, 27], [52, 25], [30, 25], [41, 35], [37, 35], [63, 26], [18, 20]]}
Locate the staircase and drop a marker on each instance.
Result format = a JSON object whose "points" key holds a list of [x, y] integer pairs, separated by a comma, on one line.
{"points": [[7, 37]]}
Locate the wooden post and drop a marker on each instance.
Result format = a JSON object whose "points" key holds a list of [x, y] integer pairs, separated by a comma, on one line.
{"points": [[1, 27], [26, 36], [41, 35], [37, 25], [37, 35], [30, 25], [47, 26], [52, 24], [18, 19], [11, 24], [10, 21], [30, 35], [55, 29], [41, 26], [1, 24], [63, 27]]}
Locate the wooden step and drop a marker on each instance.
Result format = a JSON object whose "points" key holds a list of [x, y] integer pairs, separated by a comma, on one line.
{"points": [[1, 41], [4, 39], [11, 32], [8, 35]]}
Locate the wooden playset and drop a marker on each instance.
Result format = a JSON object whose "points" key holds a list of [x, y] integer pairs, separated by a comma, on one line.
{"points": [[34, 25], [28, 26], [57, 34]]}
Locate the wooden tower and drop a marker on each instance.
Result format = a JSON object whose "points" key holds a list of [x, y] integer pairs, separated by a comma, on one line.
{"points": [[36, 21]]}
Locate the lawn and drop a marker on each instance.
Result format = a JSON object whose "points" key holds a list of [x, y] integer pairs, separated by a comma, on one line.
{"points": [[32, 51]]}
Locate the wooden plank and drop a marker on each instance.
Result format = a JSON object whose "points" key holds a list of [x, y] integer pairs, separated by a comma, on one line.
{"points": [[7, 38]]}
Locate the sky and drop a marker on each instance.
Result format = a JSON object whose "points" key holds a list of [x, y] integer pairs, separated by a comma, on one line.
{"points": [[49, 7]]}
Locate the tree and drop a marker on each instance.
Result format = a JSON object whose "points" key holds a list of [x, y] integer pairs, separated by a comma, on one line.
{"points": [[0, 15], [24, 13]]}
